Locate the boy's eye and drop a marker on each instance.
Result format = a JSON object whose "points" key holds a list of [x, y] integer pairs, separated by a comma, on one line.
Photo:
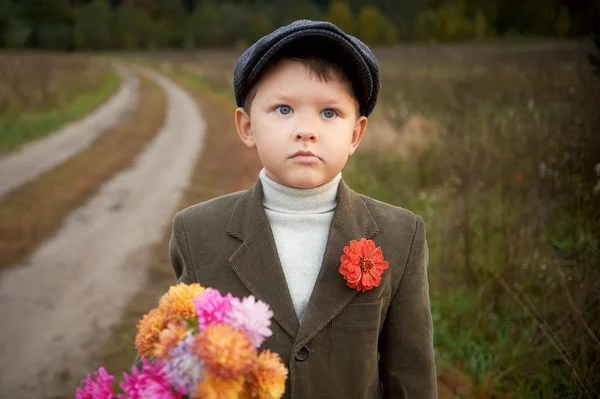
{"points": [[328, 113], [283, 110]]}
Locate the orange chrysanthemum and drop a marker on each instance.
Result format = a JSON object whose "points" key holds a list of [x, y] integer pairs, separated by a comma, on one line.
{"points": [[225, 351], [177, 302], [168, 339], [215, 387], [267, 378], [362, 265], [148, 329]]}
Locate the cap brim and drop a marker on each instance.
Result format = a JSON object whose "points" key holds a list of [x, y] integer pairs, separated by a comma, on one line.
{"points": [[325, 44]]}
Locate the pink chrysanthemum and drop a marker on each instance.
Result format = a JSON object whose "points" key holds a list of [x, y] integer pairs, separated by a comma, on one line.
{"points": [[211, 307], [150, 383], [99, 385], [252, 317]]}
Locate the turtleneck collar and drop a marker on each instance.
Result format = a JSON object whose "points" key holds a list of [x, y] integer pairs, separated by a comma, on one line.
{"points": [[280, 198]]}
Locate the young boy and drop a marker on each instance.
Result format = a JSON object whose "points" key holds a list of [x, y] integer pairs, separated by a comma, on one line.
{"points": [[357, 331]]}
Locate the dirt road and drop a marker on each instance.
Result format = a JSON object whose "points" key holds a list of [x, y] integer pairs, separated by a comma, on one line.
{"points": [[35, 158], [63, 301]]}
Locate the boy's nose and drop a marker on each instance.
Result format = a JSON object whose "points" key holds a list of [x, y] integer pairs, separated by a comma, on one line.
{"points": [[306, 135]]}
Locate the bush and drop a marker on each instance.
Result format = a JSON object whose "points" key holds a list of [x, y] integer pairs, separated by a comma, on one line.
{"points": [[92, 26], [160, 36], [563, 22], [131, 27], [17, 33], [299, 10], [205, 27], [453, 22], [426, 25], [236, 20], [374, 28], [227, 24], [261, 25], [8, 13], [340, 14], [55, 36], [480, 25]]}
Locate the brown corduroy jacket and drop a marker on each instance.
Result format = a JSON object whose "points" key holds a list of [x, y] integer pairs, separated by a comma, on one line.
{"points": [[227, 243]]}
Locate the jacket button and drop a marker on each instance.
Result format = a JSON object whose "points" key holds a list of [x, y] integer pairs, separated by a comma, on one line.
{"points": [[302, 354]]}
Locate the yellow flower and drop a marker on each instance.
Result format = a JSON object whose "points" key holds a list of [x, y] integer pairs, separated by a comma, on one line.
{"points": [[225, 351], [267, 378], [214, 387], [177, 302], [148, 329], [168, 339]]}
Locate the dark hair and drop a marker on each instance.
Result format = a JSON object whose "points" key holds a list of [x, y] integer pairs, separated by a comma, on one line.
{"points": [[323, 69]]}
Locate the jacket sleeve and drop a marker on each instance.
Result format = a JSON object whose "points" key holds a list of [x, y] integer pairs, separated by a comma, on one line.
{"points": [[407, 363], [179, 252]]}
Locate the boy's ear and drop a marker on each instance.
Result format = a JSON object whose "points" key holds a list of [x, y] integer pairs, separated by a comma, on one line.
{"points": [[357, 134], [243, 125]]}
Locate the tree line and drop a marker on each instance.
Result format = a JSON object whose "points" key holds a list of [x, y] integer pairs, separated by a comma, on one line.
{"points": [[147, 24]]}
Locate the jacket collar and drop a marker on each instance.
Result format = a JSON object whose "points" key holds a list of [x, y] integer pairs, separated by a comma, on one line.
{"points": [[257, 264]]}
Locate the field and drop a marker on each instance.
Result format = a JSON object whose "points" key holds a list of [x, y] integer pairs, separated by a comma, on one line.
{"points": [[496, 146]]}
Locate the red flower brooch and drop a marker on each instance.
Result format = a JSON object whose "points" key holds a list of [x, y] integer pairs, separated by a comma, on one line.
{"points": [[362, 265]]}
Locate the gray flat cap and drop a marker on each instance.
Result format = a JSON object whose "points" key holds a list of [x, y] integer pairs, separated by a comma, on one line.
{"points": [[317, 38]]}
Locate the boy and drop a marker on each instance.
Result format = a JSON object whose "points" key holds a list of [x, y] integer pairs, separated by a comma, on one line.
{"points": [[363, 330]]}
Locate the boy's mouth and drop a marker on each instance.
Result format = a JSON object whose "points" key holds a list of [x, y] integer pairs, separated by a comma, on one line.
{"points": [[305, 157], [304, 154]]}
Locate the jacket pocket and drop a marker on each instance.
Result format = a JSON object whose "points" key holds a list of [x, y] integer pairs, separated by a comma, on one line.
{"points": [[360, 314]]}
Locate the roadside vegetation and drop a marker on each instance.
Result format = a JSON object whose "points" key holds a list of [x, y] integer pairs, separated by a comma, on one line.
{"points": [[39, 93]]}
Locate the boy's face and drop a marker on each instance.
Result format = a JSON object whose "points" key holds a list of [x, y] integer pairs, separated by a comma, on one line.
{"points": [[304, 129]]}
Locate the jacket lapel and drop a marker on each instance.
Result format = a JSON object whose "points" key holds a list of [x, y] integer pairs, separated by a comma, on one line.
{"points": [[351, 221], [256, 261]]}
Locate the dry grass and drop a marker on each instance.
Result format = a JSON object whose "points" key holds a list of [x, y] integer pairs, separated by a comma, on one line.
{"points": [[31, 82], [35, 210], [413, 137]]}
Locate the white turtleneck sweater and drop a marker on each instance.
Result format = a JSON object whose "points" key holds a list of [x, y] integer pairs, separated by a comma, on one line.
{"points": [[300, 219]]}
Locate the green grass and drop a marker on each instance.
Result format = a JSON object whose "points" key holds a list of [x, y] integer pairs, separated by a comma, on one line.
{"points": [[19, 128]]}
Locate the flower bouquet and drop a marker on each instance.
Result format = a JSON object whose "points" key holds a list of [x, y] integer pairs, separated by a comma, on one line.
{"points": [[198, 344]]}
